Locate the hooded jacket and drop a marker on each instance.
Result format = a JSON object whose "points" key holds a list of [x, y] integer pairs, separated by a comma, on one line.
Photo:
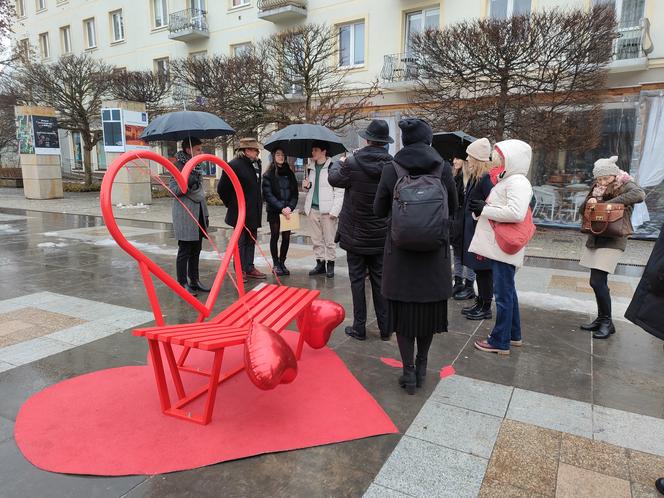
{"points": [[360, 230], [330, 199], [508, 202]]}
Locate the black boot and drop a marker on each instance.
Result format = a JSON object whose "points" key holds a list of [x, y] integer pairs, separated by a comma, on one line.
{"points": [[330, 269], [420, 371], [468, 292], [408, 380], [458, 285], [190, 289], [605, 329], [476, 305], [282, 264], [592, 326], [276, 266], [197, 285], [481, 313], [319, 269]]}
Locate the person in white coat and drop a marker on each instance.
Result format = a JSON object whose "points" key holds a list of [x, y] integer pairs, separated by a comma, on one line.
{"points": [[508, 202], [322, 205]]}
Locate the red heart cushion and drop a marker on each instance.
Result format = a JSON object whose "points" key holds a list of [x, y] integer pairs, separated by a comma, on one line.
{"points": [[268, 359], [319, 320]]}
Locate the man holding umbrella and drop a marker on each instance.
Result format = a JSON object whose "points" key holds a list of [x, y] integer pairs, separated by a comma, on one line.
{"points": [[361, 233], [247, 167]]}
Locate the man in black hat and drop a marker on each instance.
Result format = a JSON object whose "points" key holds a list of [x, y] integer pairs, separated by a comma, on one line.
{"points": [[361, 233]]}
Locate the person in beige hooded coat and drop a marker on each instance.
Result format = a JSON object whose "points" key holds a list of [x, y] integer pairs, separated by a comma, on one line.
{"points": [[508, 202]]}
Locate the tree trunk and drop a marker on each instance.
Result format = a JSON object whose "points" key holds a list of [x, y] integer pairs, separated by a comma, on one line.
{"points": [[87, 159]]}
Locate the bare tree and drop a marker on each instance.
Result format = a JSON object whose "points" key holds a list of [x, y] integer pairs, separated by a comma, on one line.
{"points": [[7, 18], [75, 87], [148, 87], [313, 88], [533, 77]]}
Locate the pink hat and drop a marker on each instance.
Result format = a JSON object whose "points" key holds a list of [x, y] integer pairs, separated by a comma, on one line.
{"points": [[480, 149]]}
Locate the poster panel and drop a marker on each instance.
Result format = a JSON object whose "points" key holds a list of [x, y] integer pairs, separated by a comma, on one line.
{"points": [[45, 130], [111, 120], [24, 135], [134, 124]]}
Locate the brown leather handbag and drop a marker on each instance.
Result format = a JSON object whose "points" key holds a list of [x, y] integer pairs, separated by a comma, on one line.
{"points": [[604, 219]]}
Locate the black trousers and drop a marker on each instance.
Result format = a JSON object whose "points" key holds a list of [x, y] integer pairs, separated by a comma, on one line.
{"points": [[407, 348], [186, 263], [278, 255], [358, 265], [484, 280], [599, 281], [247, 248]]}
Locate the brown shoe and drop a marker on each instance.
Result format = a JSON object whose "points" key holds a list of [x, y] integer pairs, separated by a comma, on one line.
{"points": [[257, 274], [488, 348]]}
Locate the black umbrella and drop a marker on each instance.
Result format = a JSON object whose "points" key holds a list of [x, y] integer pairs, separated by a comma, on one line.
{"points": [[296, 140], [186, 124], [449, 143]]}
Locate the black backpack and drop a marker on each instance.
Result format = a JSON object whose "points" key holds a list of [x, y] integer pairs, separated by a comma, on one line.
{"points": [[420, 214]]}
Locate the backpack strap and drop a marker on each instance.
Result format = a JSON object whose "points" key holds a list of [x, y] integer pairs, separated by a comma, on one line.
{"points": [[400, 170]]}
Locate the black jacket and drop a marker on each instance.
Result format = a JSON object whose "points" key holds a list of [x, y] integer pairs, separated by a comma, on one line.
{"points": [[456, 227], [251, 186], [475, 190], [645, 310], [360, 230], [419, 277], [279, 191]]}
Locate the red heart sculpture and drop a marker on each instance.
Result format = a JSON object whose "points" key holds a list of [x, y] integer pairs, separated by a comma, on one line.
{"points": [[268, 359], [146, 264], [319, 320]]}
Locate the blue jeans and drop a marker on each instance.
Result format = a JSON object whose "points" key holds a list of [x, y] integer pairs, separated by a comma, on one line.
{"points": [[508, 319]]}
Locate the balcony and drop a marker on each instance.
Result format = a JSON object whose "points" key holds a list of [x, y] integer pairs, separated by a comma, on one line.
{"points": [[631, 48], [278, 11], [399, 69], [188, 25]]}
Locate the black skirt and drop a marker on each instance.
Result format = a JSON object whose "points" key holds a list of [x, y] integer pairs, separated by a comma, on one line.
{"points": [[416, 319]]}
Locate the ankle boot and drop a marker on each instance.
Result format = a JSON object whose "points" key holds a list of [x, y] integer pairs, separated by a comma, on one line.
{"points": [[282, 265], [605, 329], [330, 269], [276, 266], [481, 313], [408, 380], [468, 292], [468, 309], [319, 269], [458, 285], [592, 326], [420, 371]]}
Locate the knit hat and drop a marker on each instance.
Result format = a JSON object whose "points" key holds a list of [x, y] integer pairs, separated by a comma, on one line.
{"points": [[606, 167], [414, 131], [480, 149]]}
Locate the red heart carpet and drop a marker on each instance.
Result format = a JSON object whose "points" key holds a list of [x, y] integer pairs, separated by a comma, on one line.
{"points": [[109, 422]]}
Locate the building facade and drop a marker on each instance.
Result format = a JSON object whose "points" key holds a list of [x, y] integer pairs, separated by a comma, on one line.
{"points": [[374, 42]]}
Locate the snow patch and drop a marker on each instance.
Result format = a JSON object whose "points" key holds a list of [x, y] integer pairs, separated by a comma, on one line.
{"points": [[9, 229], [52, 244]]}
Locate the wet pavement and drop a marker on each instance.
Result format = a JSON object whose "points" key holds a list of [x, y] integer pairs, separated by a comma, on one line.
{"points": [[65, 270]]}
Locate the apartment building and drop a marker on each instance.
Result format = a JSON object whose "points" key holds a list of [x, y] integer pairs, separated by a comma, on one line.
{"points": [[374, 38]]}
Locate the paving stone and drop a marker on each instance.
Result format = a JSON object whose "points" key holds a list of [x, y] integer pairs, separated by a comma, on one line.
{"points": [[425, 469], [6, 429], [526, 457], [456, 428], [629, 430], [85, 333], [495, 489], [28, 323], [645, 490], [594, 455], [32, 350], [376, 491], [476, 395], [551, 412], [4, 366], [645, 468], [574, 482]]}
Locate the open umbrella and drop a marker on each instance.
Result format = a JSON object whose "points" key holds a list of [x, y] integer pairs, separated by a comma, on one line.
{"points": [[186, 124], [296, 140], [447, 143]]}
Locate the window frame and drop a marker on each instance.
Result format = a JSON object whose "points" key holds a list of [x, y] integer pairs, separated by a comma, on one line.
{"points": [[351, 56], [86, 33], [112, 15], [195, 4], [38, 5], [44, 48], [155, 65], [235, 46], [244, 3], [20, 12], [509, 9], [65, 39], [163, 4], [423, 12]]}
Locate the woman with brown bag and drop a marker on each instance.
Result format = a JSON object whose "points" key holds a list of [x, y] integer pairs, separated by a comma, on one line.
{"points": [[601, 253]]}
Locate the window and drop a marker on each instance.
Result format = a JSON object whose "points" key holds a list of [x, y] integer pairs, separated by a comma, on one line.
{"points": [[65, 39], [629, 14], [201, 54], [197, 4], [351, 44], [44, 46], [502, 9], [23, 47], [419, 21], [41, 5], [112, 125], [20, 8], [117, 25], [240, 49], [90, 33], [240, 3], [161, 66], [160, 11]]}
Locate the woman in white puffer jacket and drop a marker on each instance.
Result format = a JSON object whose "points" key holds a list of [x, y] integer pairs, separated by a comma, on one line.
{"points": [[508, 202]]}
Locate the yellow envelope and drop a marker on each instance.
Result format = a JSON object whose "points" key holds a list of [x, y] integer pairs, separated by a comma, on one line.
{"points": [[289, 224]]}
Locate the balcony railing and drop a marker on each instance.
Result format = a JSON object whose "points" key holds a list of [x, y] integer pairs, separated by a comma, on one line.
{"points": [[282, 10], [633, 42], [188, 24], [399, 68]]}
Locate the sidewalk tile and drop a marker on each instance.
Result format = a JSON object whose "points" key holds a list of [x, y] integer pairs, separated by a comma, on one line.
{"points": [[551, 412], [376, 491], [629, 430], [645, 490], [495, 489], [476, 395], [427, 470], [32, 350], [4, 366], [574, 482], [645, 468], [594, 455], [456, 428]]}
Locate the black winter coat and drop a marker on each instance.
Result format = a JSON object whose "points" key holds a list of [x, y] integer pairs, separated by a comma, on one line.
{"points": [[456, 227], [415, 277], [475, 190], [645, 310], [360, 230], [251, 186], [279, 191]]}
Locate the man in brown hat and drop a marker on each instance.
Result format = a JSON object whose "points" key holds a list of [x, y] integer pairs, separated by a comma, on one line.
{"points": [[247, 167]]}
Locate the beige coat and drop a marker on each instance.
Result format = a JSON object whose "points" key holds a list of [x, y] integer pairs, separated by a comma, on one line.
{"points": [[330, 199]]}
